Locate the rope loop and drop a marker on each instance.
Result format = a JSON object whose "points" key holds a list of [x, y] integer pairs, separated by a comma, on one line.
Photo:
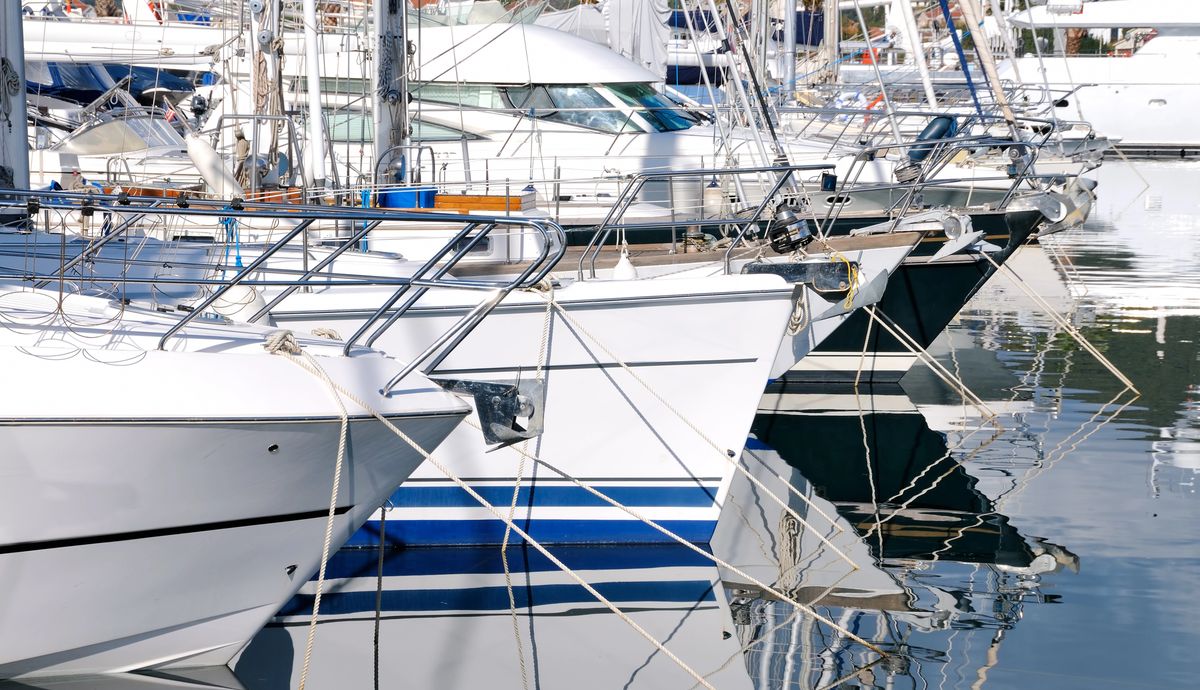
{"points": [[282, 342], [798, 321], [545, 285]]}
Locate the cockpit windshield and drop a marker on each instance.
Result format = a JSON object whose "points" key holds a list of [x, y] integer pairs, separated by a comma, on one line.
{"points": [[613, 108], [661, 112], [574, 104]]}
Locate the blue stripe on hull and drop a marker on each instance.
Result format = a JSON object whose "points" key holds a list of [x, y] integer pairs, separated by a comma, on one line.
{"points": [[489, 599], [418, 496], [440, 560], [490, 532]]}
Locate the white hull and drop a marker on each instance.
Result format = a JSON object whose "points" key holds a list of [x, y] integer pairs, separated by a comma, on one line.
{"points": [[659, 435], [158, 506], [1145, 101]]}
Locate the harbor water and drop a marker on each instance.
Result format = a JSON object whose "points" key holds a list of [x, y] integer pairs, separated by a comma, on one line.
{"points": [[1039, 536]]}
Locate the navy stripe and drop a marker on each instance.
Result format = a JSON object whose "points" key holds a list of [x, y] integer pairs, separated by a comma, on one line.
{"points": [[418, 496], [491, 532], [496, 598], [441, 560]]}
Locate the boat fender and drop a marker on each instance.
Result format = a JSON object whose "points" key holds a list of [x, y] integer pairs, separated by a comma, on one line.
{"points": [[625, 270], [239, 303], [941, 127], [713, 200]]}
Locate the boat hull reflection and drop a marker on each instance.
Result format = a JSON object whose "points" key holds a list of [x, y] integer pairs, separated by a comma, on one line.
{"points": [[445, 621]]}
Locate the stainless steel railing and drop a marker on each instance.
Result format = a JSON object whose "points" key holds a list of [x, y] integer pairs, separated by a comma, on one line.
{"points": [[433, 273]]}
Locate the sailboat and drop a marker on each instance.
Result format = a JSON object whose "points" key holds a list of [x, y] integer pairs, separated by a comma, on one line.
{"points": [[162, 498]]}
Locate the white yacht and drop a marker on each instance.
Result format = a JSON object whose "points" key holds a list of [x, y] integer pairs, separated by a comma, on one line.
{"points": [[1145, 101], [644, 388], [161, 499], [160, 505]]}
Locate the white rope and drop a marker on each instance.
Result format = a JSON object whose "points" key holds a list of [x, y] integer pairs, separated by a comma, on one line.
{"points": [[862, 424], [284, 343], [798, 321], [862, 356], [512, 601]]}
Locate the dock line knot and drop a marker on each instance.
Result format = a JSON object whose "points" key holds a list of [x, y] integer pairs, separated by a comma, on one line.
{"points": [[282, 341]]}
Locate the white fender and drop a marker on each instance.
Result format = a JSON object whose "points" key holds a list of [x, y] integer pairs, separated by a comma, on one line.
{"points": [[239, 303], [625, 270]]}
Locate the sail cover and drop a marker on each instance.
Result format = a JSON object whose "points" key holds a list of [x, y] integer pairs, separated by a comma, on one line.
{"points": [[637, 29]]}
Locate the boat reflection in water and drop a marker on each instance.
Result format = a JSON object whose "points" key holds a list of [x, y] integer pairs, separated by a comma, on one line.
{"points": [[445, 622], [1175, 457], [938, 574]]}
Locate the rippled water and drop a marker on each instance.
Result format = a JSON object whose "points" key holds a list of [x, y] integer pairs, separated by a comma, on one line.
{"points": [[1050, 547]]}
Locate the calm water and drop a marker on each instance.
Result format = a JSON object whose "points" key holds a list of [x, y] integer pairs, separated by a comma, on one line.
{"points": [[1051, 548]]}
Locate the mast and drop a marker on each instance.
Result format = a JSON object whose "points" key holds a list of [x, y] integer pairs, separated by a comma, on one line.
{"points": [[391, 88], [887, 100], [1006, 36], [917, 49], [832, 15], [315, 161], [974, 16], [266, 51], [789, 48], [14, 142]]}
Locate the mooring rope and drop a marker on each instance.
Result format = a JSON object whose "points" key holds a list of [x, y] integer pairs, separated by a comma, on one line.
{"points": [[284, 343]]}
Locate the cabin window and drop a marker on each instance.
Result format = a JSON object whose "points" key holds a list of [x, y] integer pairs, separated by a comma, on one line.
{"points": [[350, 127], [572, 104], [653, 106], [470, 95], [355, 128], [338, 85]]}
